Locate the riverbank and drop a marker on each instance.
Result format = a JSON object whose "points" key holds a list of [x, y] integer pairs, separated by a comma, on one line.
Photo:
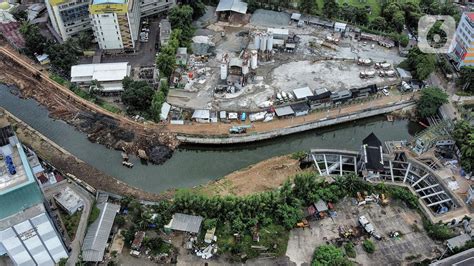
{"points": [[67, 163], [263, 176]]}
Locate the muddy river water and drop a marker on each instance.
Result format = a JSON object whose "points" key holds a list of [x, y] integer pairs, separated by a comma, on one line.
{"points": [[195, 165]]}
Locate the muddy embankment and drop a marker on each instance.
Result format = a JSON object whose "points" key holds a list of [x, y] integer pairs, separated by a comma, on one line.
{"points": [[112, 132], [67, 163]]}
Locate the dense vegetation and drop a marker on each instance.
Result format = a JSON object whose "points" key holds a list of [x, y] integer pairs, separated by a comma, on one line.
{"points": [[368, 246], [329, 255], [431, 99], [137, 95], [421, 65], [464, 135]]}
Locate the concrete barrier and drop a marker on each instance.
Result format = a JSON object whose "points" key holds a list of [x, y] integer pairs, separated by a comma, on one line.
{"points": [[221, 140]]}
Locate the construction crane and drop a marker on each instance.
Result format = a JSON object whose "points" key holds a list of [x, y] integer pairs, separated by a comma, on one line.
{"points": [[239, 129]]}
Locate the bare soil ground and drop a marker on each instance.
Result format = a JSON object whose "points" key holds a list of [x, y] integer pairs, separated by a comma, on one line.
{"points": [[263, 176]]}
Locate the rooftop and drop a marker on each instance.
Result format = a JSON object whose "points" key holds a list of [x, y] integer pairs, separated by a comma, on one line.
{"points": [[464, 258], [470, 15], [18, 188], [185, 222], [232, 5], [69, 200], [100, 72], [97, 235], [302, 93]]}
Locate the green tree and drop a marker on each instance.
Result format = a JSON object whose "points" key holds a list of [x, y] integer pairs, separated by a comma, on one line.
{"points": [[463, 133], [181, 17], [19, 14], [368, 246], [63, 56], [330, 8], [198, 7], [137, 95], [84, 39], [156, 104], [378, 23], [404, 40], [466, 79], [420, 64], [308, 6], [431, 99], [120, 220], [62, 262], [166, 64], [35, 43], [329, 255]]}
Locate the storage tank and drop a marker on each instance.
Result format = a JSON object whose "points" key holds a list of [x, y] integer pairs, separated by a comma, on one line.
{"points": [[263, 43], [223, 71], [270, 42], [254, 59], [256, 40]]}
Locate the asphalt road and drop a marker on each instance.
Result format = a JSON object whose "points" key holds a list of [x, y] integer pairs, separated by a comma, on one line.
{"points": [[81, 229]]}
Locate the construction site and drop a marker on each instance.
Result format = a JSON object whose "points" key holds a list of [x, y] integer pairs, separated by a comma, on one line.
{"points": [[258, 65]]}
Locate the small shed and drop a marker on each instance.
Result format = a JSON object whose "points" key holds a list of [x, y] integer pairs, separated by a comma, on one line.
{"points": [[165, 110], [458, 241], [233, 116], [295, 16], [321, 206], [182, 56], [302, 93], [284, 111], [222, 115], [300, 109], [340, 27], [202, 116], [209, 237], [404, 75], [137, 241], [186, 223]]}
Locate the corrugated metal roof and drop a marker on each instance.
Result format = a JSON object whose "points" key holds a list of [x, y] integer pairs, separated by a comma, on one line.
{"points": [[165, 110], [302, 93], [98, 233], [282, 111], [232, 5], [100, 72], [185, 222], [201, 114]]}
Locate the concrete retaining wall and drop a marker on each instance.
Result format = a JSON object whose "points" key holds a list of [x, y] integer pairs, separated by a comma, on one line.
{"points": [[233, 139]]}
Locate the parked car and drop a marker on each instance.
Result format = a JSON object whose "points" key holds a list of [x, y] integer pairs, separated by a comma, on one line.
{"points": [[385, 92]]}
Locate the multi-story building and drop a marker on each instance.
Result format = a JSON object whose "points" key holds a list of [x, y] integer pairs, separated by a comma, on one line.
{"points": [[462, 49], [69, 17], [152, 7], [27, 234], [115, 23]]}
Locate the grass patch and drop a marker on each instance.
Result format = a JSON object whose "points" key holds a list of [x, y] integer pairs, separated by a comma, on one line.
{"points": [[350, 250], [273, 237], [93, 215], [368, 246], [109, 107], [437, 231], [71, 222]]}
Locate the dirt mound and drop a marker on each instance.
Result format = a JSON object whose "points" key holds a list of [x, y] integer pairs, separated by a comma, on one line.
{"points": [[159, 154]]}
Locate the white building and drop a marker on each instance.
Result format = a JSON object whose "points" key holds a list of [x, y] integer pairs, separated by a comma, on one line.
{"points": [[115, 23], [109, 75], [28, 236], [462, 48], [69, 17], [152, 7]]}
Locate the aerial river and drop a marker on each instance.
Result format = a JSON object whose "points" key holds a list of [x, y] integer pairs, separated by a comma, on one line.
{"points": [[195, 165]]}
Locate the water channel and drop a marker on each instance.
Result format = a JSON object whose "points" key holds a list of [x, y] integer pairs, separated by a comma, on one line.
{"points": [[195, 165]]}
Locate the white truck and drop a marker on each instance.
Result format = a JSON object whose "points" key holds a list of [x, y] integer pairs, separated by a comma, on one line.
{"points": [[368, 227]]}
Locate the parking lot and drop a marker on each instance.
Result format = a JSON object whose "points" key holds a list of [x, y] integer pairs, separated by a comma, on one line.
{"points": [[412, 245]]}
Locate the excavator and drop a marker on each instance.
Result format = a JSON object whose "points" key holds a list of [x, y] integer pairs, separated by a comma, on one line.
{"points": [[239, 129]]}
